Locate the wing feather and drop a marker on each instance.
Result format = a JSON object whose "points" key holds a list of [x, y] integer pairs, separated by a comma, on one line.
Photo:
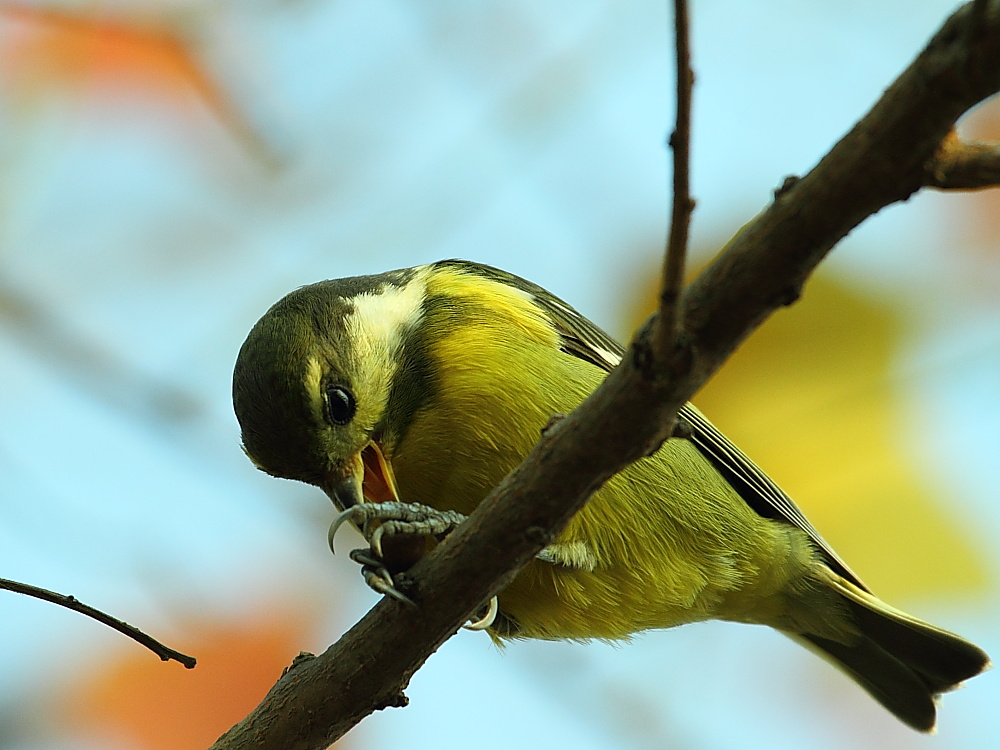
{"points": [[581, 338]]}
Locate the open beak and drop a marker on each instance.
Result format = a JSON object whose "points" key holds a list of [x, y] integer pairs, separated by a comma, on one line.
{"points": [[367, 477]]}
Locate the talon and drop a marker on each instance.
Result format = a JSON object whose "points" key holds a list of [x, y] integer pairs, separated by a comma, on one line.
{"points": [[378, 583], [486, 620], [397, 520], [376, 540], [342, 518], [366, 559]]}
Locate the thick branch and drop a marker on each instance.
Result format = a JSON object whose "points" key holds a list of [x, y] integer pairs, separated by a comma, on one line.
{"points": [[882, 160], [879, 162]]}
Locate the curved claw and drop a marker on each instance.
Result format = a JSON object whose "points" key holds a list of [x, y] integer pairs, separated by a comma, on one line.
{"points": [[486, 620], [342, 518], [376, 540], [366, 559], [382, 586]]}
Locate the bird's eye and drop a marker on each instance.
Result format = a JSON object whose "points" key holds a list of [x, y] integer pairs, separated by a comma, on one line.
{"points": [[340, 404]]}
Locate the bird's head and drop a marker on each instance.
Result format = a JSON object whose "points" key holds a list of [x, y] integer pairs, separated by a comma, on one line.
{"points": [[313, 379]]}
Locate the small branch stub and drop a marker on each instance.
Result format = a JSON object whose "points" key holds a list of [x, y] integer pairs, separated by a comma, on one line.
{"points": [[957, 165]]}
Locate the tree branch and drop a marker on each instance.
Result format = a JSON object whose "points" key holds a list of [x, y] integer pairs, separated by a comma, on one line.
{"points": [[71, 602], [682, 205], [880, 161]]}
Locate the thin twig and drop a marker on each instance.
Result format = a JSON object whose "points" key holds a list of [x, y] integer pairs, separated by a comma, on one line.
{"points": [[71, 602], [682, 204]]}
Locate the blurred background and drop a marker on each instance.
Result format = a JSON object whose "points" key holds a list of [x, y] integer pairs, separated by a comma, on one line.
{"points": [[170, 168]]}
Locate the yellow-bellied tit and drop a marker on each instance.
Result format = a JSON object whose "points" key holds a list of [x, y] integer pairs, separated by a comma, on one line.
{"points": [[428, 385]]}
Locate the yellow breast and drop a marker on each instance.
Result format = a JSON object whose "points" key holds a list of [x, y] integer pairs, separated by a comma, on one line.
{"points": [[663, 543]]}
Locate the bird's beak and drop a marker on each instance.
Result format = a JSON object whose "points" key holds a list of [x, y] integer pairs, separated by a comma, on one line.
{"points": [[379, 484], [367, 476]]}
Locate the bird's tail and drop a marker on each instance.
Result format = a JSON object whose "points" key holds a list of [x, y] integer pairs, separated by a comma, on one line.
{"points": [[904, 663]]}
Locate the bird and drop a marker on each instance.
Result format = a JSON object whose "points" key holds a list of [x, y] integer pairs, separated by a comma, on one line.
{"points": [[406, 396]]}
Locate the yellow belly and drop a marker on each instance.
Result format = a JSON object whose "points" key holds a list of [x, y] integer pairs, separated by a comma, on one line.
{"points": [[664, 543]]}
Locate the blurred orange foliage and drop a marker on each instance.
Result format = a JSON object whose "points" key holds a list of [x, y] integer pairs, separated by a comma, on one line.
{"points": [[145, 704], [95, 56]]}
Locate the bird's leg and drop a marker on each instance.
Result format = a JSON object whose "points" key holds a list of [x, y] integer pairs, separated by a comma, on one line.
{"points": [[397, 520]]}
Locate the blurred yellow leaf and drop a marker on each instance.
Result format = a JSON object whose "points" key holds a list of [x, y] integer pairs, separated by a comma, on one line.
{"points": [[809, 398]]}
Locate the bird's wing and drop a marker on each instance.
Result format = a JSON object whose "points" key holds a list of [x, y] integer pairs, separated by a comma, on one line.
{"points": [[756, 488], [583, 339]]}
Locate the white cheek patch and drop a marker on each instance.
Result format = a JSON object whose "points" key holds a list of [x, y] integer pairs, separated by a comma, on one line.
{"points": [[381, 318], [376, 328]]}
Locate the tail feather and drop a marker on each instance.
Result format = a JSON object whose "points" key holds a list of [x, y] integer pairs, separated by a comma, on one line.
{"points": [[903, 662], [885, 678], [942, 659]]}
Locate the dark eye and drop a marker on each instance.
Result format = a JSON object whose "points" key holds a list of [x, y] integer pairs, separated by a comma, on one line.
{"points": [[340, 404]]}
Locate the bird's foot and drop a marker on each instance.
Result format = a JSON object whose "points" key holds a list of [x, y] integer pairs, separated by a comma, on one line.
{"points": [[377, 576], [396, 519]]}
